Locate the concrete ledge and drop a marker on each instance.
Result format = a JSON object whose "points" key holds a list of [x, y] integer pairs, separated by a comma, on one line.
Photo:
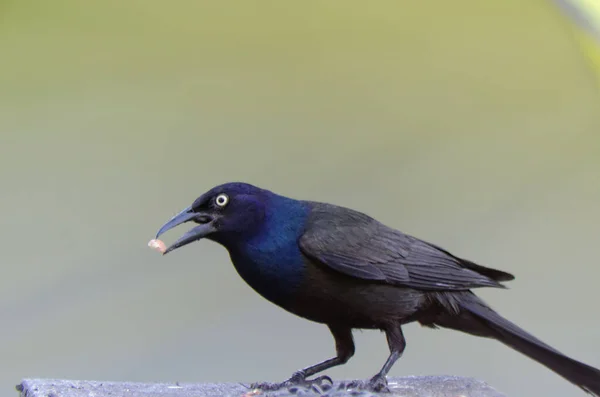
{"points": [[410, 386]]}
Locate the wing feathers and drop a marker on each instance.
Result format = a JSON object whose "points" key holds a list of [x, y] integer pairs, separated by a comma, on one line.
{"points": [[352, 243]]}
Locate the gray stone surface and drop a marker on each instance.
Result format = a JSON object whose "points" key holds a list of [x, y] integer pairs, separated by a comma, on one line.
{"points": [[410, 386]]}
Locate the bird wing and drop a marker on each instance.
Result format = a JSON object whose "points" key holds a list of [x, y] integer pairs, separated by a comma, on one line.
{"points": [[357, 245]]}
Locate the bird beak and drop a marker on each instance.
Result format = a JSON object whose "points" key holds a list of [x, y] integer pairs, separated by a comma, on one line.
{"points": [[204, 228]]}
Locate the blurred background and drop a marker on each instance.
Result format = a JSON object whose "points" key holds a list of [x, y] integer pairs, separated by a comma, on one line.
{"points": [[471, 124]]}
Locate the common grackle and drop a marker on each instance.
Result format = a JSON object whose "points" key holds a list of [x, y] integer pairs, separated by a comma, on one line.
{"points": [[342, 268]]}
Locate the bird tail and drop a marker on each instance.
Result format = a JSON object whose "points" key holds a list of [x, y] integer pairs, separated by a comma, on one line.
{"points": [[484, 321]]}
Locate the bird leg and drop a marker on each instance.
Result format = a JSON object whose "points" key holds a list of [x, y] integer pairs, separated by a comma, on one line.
{"points": [[378, 383], [344, 345]]}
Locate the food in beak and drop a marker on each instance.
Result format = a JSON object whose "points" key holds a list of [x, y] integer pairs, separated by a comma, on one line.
{"points": [[157, 245]]}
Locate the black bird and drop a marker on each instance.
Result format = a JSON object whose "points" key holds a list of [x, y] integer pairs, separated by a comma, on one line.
{"points": [[342, 268]]}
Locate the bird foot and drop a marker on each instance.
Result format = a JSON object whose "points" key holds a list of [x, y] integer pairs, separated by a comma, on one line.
{"points": [[319, 384], [377, 384]]}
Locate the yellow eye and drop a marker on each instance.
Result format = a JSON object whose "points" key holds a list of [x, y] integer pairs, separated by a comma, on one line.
{"points": [[222, 200]]}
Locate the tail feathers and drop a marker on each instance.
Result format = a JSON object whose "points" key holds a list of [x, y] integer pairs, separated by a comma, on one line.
{"points": [[578, 373]]}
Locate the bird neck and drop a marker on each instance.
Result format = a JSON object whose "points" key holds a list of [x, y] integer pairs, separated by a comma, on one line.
{"points": [[270, 261]]}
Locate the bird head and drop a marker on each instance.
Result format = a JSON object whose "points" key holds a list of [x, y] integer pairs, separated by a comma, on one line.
{"points": [[227, 212]]}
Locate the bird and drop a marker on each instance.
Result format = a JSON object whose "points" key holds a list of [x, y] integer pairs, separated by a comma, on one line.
{"points": [[343, 268]]}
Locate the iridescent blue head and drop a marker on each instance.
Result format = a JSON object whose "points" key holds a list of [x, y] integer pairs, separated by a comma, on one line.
{"points": [[259, 228], [226, 213]]}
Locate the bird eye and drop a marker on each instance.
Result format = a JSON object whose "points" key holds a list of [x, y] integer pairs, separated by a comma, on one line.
{"points": [[222, 200]]}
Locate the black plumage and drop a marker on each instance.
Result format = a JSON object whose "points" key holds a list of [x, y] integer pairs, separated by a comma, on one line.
{"points": [[342, 268]]}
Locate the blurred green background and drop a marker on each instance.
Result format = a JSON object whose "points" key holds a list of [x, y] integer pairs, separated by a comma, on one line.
{"points": [[472, 124]]}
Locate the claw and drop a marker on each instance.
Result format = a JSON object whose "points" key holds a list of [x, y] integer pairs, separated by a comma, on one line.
{"points": [[377, 384], [323, 378], [320, 384]]}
